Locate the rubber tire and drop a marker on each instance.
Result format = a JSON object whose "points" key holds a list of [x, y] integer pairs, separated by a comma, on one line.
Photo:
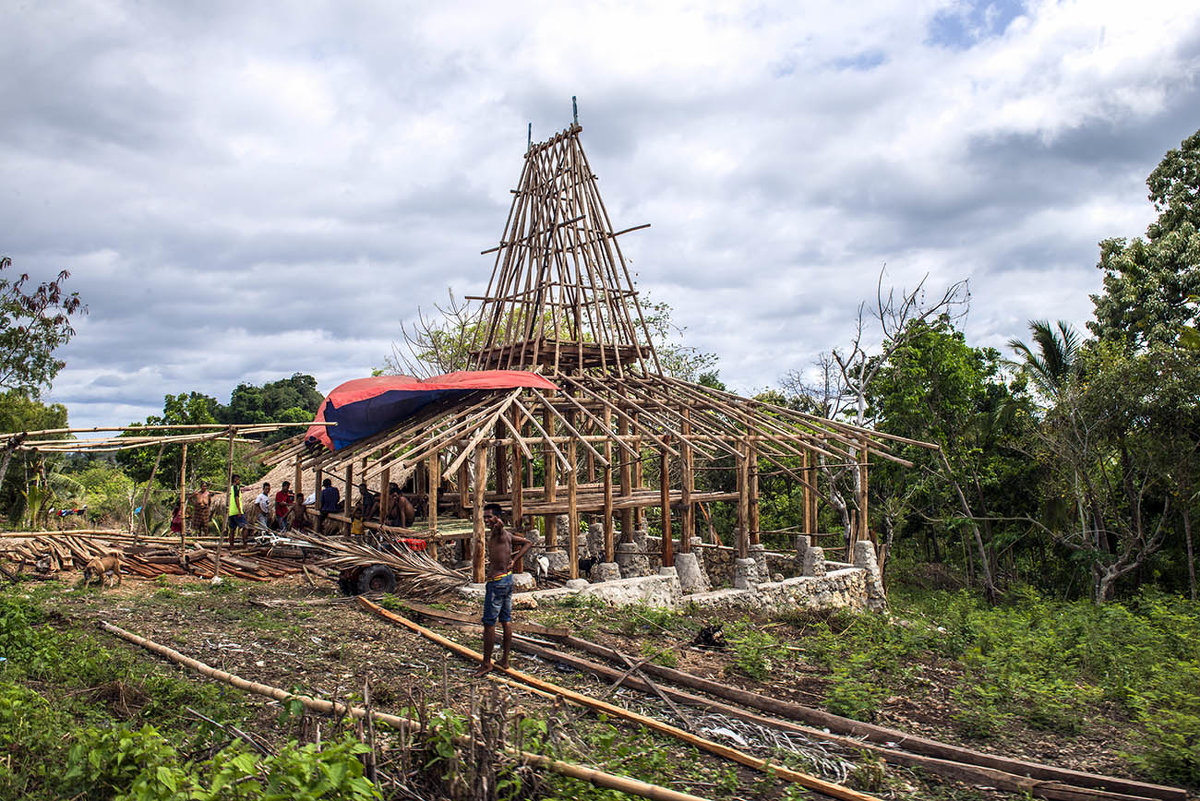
{"points": [[376, 578]]}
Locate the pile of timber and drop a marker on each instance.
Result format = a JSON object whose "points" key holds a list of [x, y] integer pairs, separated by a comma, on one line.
{"points": [[149, 557]]}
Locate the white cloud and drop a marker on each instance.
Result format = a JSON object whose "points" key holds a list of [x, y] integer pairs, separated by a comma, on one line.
{"points": [[243, 192]]}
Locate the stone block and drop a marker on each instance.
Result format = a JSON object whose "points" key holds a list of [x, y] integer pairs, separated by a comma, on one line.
{"points": [[523, 581], [577, 584], [631, 560], [759, 554], [606, 571], [560, 561], [692, 577], [814, 562], [865, 558], [745, 574]]}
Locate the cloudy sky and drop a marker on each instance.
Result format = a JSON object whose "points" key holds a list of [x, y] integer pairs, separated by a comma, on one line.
{"points": [[246, 190]]}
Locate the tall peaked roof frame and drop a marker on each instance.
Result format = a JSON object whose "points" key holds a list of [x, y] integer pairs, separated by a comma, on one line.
{"points": [[561, 296]]}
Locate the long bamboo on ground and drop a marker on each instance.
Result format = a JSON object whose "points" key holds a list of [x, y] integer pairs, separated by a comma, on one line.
{"points": [[597, 777], [803, 779], [882, 734], [974, 774]]}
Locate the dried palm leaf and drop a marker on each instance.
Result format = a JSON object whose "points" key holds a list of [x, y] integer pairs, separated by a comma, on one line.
{"points": [[416, 572]]}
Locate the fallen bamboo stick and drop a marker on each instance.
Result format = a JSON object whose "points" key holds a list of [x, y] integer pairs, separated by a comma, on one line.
{"points": [[881, 734], [976, 774], [803, 779], [597, 777], [1055, 790]]}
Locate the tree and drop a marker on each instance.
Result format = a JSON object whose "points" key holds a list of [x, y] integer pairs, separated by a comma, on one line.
{"points": [[1122, 445], [1053, 365], [934, 387], [1150, 284], [849, 374], [33, 325], [19, 412]]}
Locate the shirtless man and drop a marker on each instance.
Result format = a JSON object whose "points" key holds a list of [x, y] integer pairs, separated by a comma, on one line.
{"points": [[497, 602], [201, 509]]}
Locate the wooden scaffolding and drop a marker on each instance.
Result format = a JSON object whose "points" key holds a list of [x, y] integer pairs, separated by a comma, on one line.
{"points": [[561, 302]]}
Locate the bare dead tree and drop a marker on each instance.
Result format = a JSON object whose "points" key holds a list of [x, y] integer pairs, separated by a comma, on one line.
{"points": [[437, 343]]}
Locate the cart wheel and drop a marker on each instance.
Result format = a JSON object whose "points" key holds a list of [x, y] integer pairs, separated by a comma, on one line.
{"points": [[376, 578]]}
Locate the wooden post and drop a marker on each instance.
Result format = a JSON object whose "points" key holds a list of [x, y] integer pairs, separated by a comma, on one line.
{"points": [[550, 471], [609, 545], [864, 520], [752, 495], [572, 509], [298, 487], [464, 493], [431, 499], [664, 480], [385, 493], [806, 493], [319, 483], [349, 491], [228, 506], [183, 497], [150, 483], [687, 468], [626, 484], [479, 537], [501, 457], [639, 513], [518, 486], [743, 506]]}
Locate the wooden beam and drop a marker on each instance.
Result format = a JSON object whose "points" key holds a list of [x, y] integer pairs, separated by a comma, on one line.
{"points": [[479, 538], [664, 480]]}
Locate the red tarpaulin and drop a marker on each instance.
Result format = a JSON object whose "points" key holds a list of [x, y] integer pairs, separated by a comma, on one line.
{"points": [[366, 406]]}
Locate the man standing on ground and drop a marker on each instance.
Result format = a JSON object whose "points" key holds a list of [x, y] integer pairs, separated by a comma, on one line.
{"points": [[283, 505], [237, 520], [263, 502], [497, 602], [331, 501]]}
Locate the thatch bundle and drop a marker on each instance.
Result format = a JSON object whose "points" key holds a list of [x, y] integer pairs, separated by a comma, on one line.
{"points": [[416, 572]]}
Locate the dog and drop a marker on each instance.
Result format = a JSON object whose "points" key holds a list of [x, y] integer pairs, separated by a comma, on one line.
{"points": [[100, 567]]}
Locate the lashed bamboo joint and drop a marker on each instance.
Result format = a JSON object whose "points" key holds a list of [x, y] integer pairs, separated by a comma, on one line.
{"points": [[561, 301]]}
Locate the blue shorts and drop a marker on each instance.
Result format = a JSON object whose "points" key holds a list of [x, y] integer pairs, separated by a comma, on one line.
{"points": [[237, 521], [497, 601]]}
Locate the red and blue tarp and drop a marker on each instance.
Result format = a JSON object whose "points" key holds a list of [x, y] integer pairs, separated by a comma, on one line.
{"points": [[365, 406]]}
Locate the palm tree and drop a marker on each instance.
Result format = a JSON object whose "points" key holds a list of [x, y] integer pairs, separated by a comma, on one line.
{"points": [[1053, 366]]}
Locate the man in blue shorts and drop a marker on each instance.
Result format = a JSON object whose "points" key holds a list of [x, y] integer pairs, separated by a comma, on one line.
{"points": [[497, 602]]}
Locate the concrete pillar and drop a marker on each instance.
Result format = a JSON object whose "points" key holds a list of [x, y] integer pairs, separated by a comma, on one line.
{"points": [[631, 560], [758, 552], [814, 562], [606, 571], [560, 561], [691, 573], [865, 557], [802, 542], [745, 574]]}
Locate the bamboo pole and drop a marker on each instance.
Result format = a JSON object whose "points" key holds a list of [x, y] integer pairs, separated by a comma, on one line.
{"points": [[609, 546], [183, 497], [664, 480], [149, 484], [687, 469], [431, 501], [779, 771], [478, 540], [743, 506], [598, 777], [573, 510], [752, 494]]}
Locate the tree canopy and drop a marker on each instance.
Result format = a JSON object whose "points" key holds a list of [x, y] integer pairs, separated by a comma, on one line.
{"points": [[34, 323]]}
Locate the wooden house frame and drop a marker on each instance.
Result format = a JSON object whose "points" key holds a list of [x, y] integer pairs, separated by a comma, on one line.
{"points": [[561, 302]]}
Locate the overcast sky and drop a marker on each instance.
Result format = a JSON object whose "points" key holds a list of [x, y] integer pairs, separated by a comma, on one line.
{"points": [[242, 191]]}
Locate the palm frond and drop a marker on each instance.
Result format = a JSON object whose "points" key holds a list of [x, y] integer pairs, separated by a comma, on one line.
{"points": [[417, 574]]}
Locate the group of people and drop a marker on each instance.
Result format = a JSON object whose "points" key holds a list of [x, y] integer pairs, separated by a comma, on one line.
{"points": [[281, 511]]}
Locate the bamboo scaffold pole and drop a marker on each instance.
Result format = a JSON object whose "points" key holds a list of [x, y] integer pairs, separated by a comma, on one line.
{"points": [[597, 777], [771, 769]]}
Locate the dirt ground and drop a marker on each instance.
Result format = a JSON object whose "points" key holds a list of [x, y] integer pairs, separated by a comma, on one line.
{"points": [[290, 634]]}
